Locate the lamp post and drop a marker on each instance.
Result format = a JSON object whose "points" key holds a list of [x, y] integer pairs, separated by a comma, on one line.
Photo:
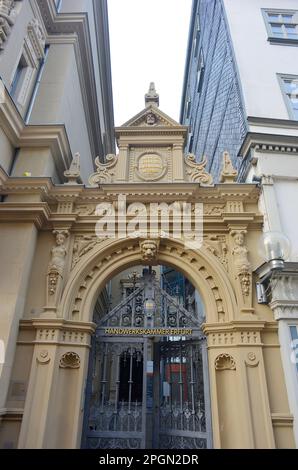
{"points": [[274, 248]]}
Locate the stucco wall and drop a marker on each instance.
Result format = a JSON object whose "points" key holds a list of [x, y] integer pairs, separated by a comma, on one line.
{"points": [[258, 61]]}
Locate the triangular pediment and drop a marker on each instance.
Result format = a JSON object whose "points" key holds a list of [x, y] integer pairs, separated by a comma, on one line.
{"points": [[151, 116]]}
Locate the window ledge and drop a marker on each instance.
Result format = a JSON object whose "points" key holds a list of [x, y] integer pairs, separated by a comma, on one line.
{"points": [[283, 41]]}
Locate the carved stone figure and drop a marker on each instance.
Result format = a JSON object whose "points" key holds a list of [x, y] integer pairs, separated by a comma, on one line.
{"points": [[149, 249], [150, 119], [58, 252], [228, 174], [56, 268], [241, 262], [240, 251]]}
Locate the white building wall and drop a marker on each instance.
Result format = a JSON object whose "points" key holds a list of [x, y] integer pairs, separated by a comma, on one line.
{"points": [[258, 61], [280, 206]]}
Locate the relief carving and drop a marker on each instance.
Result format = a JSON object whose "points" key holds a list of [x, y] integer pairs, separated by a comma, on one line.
{"points": [[7, 20], [225, 362], [196, 171], [82, 245], [36, 38], [104, 172], [149, 250], [43, 357], [214, 210], [218, 247], [70, 360]]}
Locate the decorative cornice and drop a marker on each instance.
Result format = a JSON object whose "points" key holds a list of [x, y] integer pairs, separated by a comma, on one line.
{"points": [[269, 143], [52, 136]]}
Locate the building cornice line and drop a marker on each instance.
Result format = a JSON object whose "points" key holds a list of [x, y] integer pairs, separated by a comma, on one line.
{"points": [[22, 135]]}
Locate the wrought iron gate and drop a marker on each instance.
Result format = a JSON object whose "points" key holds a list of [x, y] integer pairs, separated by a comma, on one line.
{"points": [[183, 420], [142, 391]]}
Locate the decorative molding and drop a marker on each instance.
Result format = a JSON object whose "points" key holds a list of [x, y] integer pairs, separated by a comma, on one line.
{"points": [[82, 245], [214, 210], [160, 120], [252, 359], [70, 360], [233, 338], [7, 19], [196, 171], [43, 357], [104, 172], [217, 245], [269, 148], [225, 362], [36, 39]]}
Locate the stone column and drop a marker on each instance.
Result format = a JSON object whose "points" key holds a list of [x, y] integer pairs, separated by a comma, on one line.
{"points": [[122, 165], [178, 163]]}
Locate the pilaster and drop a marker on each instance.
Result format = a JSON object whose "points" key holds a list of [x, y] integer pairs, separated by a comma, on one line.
{"points": [[55, 396]]}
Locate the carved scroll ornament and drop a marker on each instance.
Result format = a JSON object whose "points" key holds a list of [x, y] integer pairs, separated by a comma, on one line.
{"points": [[196, 171], [104, 172]]}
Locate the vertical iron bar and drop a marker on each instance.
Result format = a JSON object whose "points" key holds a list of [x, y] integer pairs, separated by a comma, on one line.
{"points": [[192, 383], [181, 386], [130, 382], [156, 395], [117, 391], [207, 401], [144, 401], [104, 377]]}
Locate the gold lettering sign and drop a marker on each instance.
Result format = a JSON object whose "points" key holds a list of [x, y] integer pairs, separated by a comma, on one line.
{"points": [[150, 166]]}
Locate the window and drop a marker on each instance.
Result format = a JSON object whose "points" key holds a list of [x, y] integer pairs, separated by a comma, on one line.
{"points": [[188, 108], [294, 345], [58, 4], [200, 73], [18, 76], [282, 26], [290, 90]]}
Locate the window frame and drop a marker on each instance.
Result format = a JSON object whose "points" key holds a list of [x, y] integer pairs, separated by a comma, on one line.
{"points": [[200, 72], [281, 77], [274, 39]]}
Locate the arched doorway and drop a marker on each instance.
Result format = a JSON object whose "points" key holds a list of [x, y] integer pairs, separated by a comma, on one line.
{"points": [[148, 384]]}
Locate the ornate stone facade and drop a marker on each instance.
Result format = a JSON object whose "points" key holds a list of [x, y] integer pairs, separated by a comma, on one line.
{"points": [[67, 276]]}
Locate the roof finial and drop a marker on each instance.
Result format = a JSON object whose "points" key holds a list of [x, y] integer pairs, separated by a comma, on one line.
{"points": [[152, 97]]}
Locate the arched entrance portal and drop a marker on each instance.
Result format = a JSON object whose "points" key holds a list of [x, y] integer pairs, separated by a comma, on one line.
{"points": [[148, 383]]}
